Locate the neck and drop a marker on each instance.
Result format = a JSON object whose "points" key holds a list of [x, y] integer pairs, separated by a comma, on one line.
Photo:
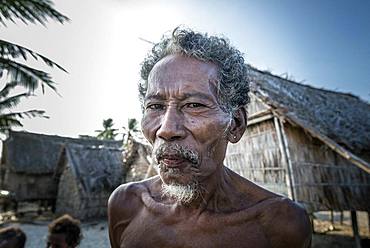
{"points": [[219, 193]]}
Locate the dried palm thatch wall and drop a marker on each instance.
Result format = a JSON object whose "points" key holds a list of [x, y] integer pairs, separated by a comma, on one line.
{"points": [[138, 161], [26, 170], [87, 176], [322, 179], [258, 158], [29, 161], [310, 144], [257, 155]]}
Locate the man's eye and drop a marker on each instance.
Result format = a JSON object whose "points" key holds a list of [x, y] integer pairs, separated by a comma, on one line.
{"points": [[195, 105], [155, 106]]}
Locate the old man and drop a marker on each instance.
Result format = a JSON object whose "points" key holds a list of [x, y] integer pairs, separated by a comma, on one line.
{"points": [[194, 92]]}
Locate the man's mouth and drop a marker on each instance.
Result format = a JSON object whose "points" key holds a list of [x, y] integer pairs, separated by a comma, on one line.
{"points": [[175, 156], [172, 161]]}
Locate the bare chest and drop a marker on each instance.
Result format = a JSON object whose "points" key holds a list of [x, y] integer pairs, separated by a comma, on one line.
{"points": [[148, 230]]}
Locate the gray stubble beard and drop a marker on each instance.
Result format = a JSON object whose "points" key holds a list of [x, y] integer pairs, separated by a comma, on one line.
{"points": [[183, 194]]}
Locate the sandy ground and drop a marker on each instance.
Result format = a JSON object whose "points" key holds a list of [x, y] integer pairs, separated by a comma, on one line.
{"points": [[95, 233]]}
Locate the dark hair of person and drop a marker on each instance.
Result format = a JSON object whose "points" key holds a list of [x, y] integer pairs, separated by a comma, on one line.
{"points": [[11, 233], [68, 226]]}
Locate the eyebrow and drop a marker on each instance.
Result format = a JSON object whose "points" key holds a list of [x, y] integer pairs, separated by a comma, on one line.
{"points": [[183, 96]]}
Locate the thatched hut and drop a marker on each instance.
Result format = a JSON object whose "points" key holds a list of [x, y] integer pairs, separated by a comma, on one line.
{"points": [[137, 159], [29, 161], [310, 144], [87, 176]]}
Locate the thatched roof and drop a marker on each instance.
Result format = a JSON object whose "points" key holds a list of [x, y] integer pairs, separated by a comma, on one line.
{"points": [[96, 168], [33, 153], [340, 120]]}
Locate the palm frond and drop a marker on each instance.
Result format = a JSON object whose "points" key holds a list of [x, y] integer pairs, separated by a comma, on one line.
{"points": [[8, 49], [132, 124], [10, 120], [108, 123], [7, 88], [29, 11], [11, 102], [24, 114], [28, 77], [7, 122]]}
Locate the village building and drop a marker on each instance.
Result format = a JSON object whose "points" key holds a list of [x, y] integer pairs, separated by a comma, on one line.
{"points": [[310, 144], [86, 176], [29, 162], [137, 159]]}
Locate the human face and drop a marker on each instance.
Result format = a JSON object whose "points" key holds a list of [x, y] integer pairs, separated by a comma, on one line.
{"points": [[181, 111], [57, 240]]}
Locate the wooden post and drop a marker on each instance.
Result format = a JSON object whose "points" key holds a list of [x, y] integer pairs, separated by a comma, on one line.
{"points": [[368, 222], [290, 165], [332, 217], [150, 171], [312, 217], [288, 179], [355, 229], [341, 217]]}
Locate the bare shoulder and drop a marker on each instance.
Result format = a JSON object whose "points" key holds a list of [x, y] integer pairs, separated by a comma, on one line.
{"points": [[286, 224], [124, 204], [126, 199]]}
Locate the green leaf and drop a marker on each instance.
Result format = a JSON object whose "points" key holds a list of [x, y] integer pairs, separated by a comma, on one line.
{"points": [[10, 120], [11, 102], [26, 76], [11, 50], [29, 11]]}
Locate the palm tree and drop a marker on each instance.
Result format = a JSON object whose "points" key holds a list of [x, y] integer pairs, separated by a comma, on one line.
{"points": [[12, 119], [130, 147], [130, 130], [15, 73], [108, 132]]}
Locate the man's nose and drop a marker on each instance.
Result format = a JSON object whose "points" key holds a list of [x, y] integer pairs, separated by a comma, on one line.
{"points": [[172, 125]]}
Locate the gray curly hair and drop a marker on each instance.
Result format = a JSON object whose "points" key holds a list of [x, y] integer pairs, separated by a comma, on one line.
{"points": [[233, 83]]}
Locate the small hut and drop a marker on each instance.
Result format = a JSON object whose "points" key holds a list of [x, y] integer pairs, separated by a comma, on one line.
{"points": [[310, 144], [29, 161], [137, 158], [87, 176]]}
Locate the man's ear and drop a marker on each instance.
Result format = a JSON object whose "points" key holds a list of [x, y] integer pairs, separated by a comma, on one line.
{"points": [[238, 125]]}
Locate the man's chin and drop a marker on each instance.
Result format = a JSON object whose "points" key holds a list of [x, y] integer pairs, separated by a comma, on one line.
{"points": [[181, 193], [176, 177]]}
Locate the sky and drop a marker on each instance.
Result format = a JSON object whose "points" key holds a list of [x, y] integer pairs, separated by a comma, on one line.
{"points": [[321, 43]]}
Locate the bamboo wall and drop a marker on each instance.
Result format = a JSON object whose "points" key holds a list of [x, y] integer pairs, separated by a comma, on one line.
{"points": [[257, 157], [322, 179]]}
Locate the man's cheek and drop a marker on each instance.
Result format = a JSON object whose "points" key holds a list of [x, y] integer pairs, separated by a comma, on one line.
{"points": [[149, 127], [211, 132]]}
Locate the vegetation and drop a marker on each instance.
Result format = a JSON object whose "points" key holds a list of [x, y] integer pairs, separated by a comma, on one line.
{"points": [[130, 130], [14, 73], [108, 132]]}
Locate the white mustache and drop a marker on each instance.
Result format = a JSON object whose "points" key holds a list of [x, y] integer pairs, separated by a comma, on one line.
{"points": [[178, 151]]}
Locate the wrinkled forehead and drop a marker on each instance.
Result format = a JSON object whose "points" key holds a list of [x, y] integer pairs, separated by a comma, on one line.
{"points": [[182, 73]]}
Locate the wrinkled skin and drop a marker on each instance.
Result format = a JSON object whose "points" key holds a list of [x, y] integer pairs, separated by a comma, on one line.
{"points": [[181, 108]]}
